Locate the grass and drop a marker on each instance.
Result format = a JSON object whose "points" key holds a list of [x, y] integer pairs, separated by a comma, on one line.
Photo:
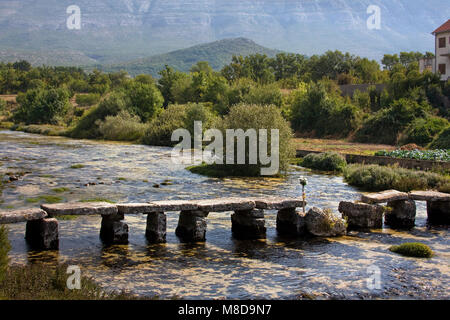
{"points": [[60, 189], [380, 178], [77, 166], [413, 249], [340, 146], [45, 198], [35, 282]]}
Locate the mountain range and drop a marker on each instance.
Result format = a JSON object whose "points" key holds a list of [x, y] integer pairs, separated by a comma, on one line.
{"points": [[117, 31]]}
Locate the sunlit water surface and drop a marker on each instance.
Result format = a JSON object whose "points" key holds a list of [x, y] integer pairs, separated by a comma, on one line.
{"points": [[221, 267]]}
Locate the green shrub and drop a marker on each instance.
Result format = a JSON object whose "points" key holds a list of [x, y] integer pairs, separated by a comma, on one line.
{"points": [[328, 161], [442, 140], [322, 111], [379, 178], [413, 249], [256, 117], [385, 125], [2, 106], [39, 106], [87, 127], [159, 132], [422, 130], [122, 127], [87, 99], [143, 99], [4, 249], [269, 94]]}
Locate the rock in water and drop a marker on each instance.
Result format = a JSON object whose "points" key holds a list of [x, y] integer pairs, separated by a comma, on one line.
{"points": [[324, 223]]}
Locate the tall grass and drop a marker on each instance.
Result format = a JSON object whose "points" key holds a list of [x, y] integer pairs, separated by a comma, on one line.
{"points": [[379, 178], [37, 282]]}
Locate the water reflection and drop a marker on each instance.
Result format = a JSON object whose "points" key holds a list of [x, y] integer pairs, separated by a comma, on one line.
{"points": [[222, 267]]}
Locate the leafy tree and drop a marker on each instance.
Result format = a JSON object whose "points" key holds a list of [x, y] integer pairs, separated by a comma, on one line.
{"points": [[143, 99], [42, 106]]}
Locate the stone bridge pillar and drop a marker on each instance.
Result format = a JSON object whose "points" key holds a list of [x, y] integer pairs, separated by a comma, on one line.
{"points": [[192, 226], [401, 214], [43, 234], [438, 212], [156, 227], [290, 222], [248, 224], [113, 230]]}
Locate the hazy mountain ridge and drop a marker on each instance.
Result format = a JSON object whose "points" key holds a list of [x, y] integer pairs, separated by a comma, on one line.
{"points": [[123, 30], [217, 53]]}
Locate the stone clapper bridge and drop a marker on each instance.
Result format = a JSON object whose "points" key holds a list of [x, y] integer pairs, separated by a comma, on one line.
{"points": [[247, 220]]}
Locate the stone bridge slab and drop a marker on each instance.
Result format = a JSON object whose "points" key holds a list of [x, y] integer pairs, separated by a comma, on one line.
{"points": [[429, 196], [384, 196], [17, 216], [80, 208]]}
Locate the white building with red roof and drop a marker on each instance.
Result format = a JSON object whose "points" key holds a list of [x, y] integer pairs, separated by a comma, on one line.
{"points": [[442, 50]]}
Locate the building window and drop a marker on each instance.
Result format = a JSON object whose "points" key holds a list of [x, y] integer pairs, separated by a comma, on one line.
{"points": [[441, 42], [442, 69]]}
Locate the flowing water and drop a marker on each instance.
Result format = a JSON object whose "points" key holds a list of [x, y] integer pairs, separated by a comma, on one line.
{"points": [[221, 267]]}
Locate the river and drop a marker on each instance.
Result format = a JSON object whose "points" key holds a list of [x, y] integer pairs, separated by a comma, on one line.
{"points": [[220, 268]]}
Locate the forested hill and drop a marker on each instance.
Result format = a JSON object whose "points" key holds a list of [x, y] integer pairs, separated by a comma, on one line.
{"points": [[218, 54]]}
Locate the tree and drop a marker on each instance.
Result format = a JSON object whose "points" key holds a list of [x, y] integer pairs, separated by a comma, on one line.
{"points": [[389, 60], [42, 105], [165, 84], [143, 99]]}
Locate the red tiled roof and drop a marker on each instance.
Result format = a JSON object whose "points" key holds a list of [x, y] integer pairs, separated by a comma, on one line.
{"points": [[445, 27]]}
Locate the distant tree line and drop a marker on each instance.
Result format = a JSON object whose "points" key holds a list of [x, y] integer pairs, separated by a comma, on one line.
{"points": [[414, 107]]}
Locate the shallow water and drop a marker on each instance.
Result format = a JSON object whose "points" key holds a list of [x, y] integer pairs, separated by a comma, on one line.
{"points": [[221, 267]]}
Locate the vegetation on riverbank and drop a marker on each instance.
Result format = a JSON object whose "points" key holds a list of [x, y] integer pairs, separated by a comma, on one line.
{"points": [[328, 161], [35, 282], [380, 178], [413, 249], [412, 107], [434, 155]]}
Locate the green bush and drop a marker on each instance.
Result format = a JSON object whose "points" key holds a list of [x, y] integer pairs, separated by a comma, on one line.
{"points": [[87, 127], [39, 106], [413, 249], [123, 127], [442, 140], [328, 161], [380, 178], [87, 99], [143, 99], [386, 125], [160, 129], [269, 94], [256, 117], [4, 249], [422, 130], [323, 111]]}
